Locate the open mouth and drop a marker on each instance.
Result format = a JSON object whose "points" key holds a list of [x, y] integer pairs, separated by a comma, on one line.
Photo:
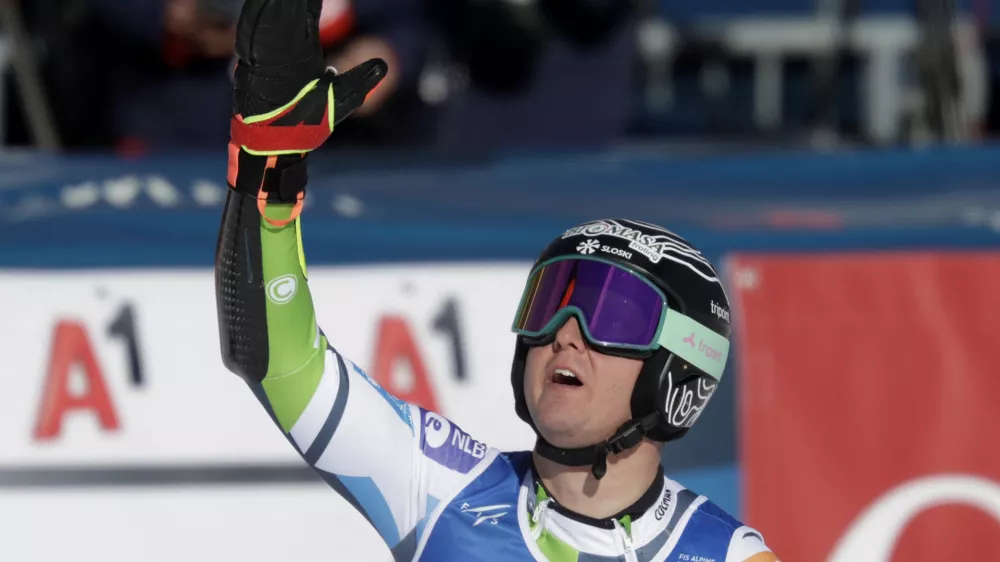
{"points": [[567, 377]]}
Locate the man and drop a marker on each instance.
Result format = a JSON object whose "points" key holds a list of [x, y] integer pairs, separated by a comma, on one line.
{"points": [[592, 372]]}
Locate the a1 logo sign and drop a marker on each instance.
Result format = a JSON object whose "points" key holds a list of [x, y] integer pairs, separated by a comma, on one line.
{"points": [[396, 348], [72, 351]]}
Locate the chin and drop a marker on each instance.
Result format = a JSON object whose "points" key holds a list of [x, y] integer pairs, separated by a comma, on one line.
{"points": [[566, 433], [571, 442]]}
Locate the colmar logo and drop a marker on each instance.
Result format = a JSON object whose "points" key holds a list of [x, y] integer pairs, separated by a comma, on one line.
{"points": [[588, 247], [282, 289], [720, 311], [664, 506]]}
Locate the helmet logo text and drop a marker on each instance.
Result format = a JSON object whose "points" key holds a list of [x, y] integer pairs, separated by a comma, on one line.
{"points": [[720, 311], [591, 246], [655, 247]]}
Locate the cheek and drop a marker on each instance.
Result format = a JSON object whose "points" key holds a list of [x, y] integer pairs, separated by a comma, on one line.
{"points": [[623, 374], [534, 364]]}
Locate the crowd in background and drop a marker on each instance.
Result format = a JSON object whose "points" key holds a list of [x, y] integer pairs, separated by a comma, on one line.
{"points": [[151, 75]]}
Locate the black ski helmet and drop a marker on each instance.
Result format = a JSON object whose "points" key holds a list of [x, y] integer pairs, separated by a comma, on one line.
{"points": [[670, 393]]}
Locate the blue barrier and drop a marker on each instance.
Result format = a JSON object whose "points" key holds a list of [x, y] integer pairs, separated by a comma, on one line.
{"points": [[161, 211]]}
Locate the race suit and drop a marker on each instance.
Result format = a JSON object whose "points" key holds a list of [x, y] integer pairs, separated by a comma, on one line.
{"points": [[432, 491]]}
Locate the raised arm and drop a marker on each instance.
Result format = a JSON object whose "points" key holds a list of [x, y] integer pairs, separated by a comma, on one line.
{"points": [[394, 462], [286, 105], [361, 440]]}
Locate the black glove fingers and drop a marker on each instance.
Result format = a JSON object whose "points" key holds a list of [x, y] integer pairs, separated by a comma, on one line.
{"points": [[246, 28], [280, 54], [352, 87], [277, 32]]}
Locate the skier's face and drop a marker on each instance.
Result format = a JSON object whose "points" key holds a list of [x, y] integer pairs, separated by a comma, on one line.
{"points": [[577, 412]]}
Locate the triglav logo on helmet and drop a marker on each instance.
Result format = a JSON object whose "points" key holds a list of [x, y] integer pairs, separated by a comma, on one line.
{"points": [[654, 247], [588, 247]]}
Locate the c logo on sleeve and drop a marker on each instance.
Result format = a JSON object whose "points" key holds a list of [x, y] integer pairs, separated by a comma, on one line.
{"points": [[282, 289]]}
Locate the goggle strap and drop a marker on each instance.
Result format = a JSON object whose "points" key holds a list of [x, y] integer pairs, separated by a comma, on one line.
{"points": [[695, 343]]}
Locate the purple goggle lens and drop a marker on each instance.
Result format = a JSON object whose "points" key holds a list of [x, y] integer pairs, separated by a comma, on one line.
{"points": [[618, 308]]}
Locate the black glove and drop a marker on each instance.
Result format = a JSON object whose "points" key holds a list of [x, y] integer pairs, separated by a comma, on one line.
{"points": [[286, 103]]}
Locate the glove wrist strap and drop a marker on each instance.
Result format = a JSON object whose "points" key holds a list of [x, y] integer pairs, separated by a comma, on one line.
{"points": [[267, 153], [301, 125], [269, 179]]}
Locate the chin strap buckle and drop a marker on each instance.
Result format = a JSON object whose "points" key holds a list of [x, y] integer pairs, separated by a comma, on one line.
{"points": [[628, 435]]}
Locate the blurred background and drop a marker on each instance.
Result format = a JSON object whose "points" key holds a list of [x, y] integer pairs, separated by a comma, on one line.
{"points": [[837, 159]]}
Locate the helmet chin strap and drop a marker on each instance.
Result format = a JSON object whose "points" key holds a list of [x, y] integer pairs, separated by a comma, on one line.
{"points": [[628, 435]]}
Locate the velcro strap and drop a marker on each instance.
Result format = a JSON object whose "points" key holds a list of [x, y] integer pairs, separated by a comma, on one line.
{"points": [[283, 184], [300, 126], [268, 140]]}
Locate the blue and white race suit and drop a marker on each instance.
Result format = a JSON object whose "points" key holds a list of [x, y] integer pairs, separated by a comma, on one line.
{"points": [[432, 491]]}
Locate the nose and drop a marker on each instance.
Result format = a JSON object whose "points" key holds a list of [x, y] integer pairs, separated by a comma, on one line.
{"points": [[569, 335]]}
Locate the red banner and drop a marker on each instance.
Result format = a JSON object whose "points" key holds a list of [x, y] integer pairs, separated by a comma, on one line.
{"points": [[870, 404]]}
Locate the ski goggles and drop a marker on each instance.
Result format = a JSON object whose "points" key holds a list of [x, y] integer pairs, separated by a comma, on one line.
{"points": [[619, 312]]}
